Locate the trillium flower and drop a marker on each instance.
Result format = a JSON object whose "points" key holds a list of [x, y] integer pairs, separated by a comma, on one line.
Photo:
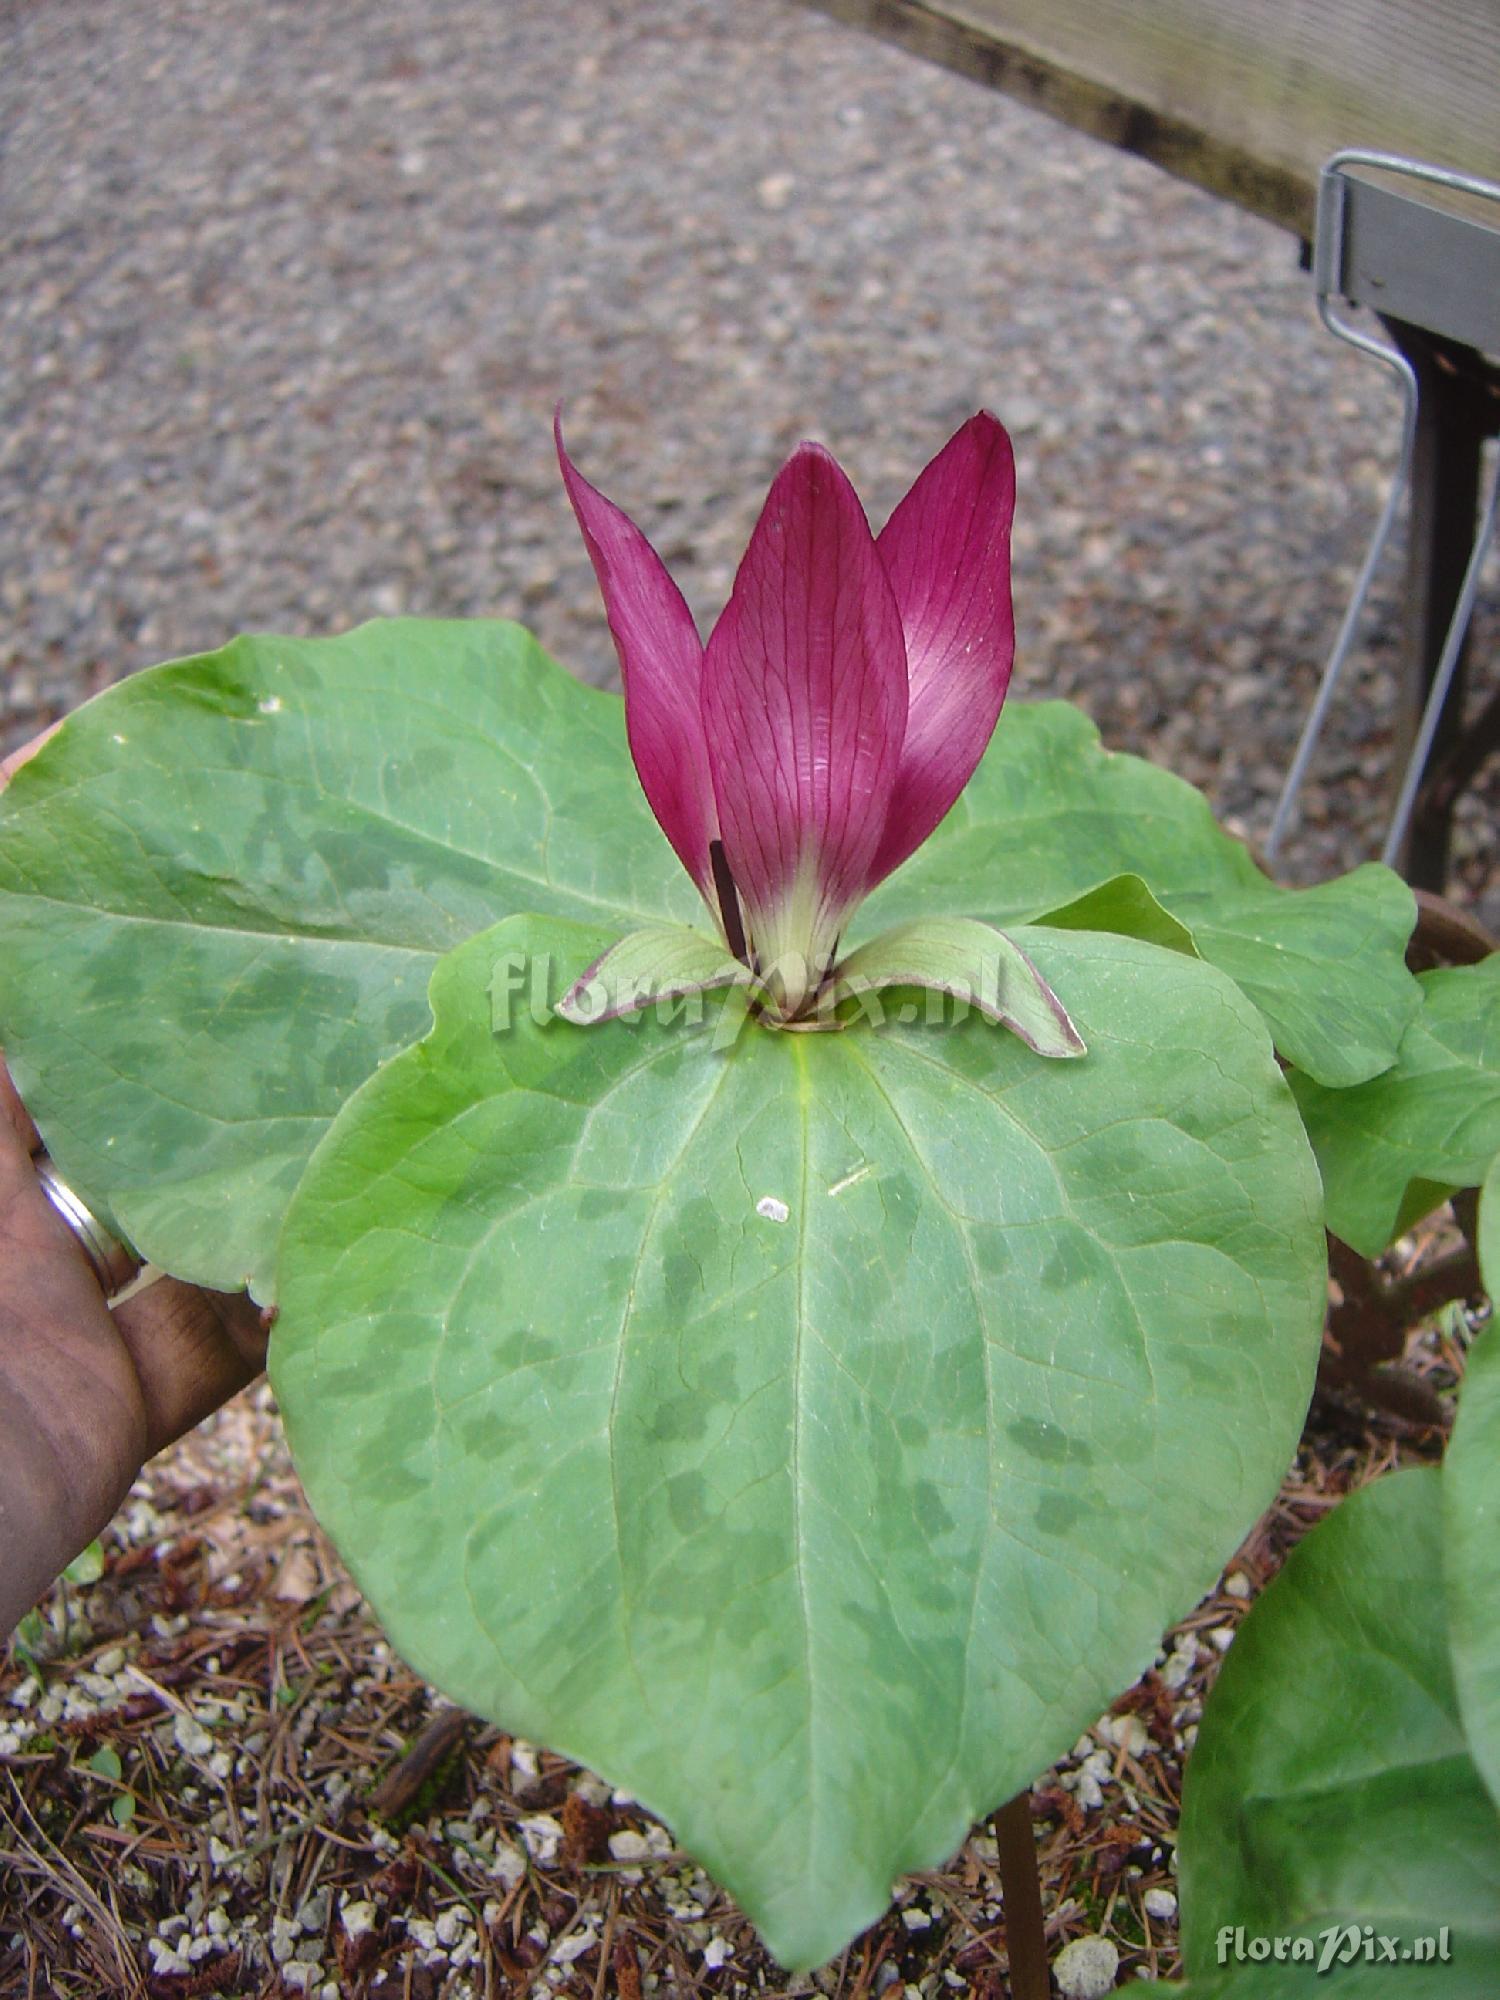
{"points": [[841, 704]]}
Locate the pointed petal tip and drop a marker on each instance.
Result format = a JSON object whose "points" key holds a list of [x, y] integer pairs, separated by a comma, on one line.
{"points": [[811, 467], [946, 549], [661, 665]]}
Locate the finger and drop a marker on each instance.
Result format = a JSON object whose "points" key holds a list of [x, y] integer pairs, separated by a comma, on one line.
{"points": [[11, 764], [191, 1349], [14, 1117]]}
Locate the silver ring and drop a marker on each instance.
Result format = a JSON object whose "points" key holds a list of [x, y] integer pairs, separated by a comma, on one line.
{"points": [[113, 1263]]}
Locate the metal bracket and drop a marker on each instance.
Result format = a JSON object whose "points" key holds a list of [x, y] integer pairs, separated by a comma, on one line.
{"points": [[1438, 269]]}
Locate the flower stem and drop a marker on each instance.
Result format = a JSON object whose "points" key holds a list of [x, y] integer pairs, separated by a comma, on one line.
{"points": [[1025, 1935]]}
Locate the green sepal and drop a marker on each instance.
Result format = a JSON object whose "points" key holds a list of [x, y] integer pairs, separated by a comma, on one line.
{"points": [[973, 963], [661, 963]]}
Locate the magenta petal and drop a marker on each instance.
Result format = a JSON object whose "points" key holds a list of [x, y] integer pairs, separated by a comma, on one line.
{"points": [[804, 701], [946, 550], [661, 665]]}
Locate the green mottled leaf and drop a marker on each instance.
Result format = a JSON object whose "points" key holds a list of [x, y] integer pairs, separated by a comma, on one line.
{"points": [[224, 884], [1050, 815], [1471, 1499], [1430, 1124], [812, 1432], [662, 962], [969, 962], [1331, 1782]]}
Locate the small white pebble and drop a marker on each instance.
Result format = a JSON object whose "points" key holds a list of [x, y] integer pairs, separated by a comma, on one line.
{"points": [[313, 1915], [110, 1661], [357, 1918], [1222, 1636], [165, 1958], [1127, 1731], [1237, 1584], [917, 1919], [1161, 1904], [716, 1953], [191, 1738], [542, 1835], [574, 1947], [1086, 1968], [1180, 1664], [509, 1863]]}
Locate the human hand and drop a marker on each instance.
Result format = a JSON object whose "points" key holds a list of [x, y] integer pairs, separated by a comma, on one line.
{"points": [[88, 1393]]}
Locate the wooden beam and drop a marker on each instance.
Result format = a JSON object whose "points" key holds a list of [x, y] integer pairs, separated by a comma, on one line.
{"points": [[1246, 98]]}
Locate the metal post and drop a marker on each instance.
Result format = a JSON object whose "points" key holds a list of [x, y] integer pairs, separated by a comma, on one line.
{"points": [[1454, 415]]}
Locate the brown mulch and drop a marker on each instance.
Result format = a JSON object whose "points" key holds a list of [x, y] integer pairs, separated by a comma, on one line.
{"points": [[216, 1778]]}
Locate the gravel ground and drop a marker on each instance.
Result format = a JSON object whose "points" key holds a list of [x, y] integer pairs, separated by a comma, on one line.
{"points": [[291, 290]]}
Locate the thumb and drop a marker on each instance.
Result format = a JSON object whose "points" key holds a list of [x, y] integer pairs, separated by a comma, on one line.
{"points": [[191, 1350]]}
